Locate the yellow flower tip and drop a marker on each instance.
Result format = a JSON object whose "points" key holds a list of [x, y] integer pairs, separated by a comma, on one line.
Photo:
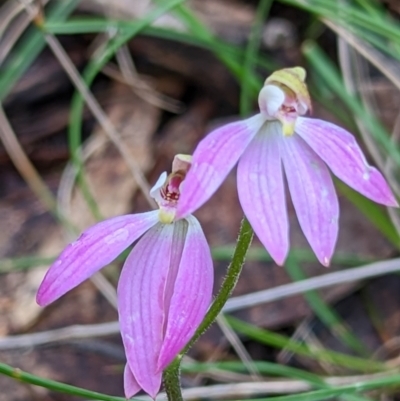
{"points": [[166, 216], [299, 72], [184, 158], [288, 76], [181, 162], [292, 81]]}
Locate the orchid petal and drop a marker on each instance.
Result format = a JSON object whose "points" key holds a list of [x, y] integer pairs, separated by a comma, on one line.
{"points": [[313, 195], [340, 151], [191, 294], [213, 159], [94, 249], [141, 308], [131, 386], [262, 192]]}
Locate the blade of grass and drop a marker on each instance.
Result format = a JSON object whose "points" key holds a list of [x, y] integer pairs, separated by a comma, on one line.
{"points": [[259, 253], [387, 381], [30, 46], [268, 369], [18, 374], [279, 341], [23, 263], [251, 52], [265, 368], [81, 25], [94, 67], [325, 68], [198, 29], [350, 15]]}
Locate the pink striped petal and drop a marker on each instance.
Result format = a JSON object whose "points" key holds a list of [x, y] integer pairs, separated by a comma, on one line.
{"points": [[213, 159], [262, 192], [94, 249], [141, 308], [340, 151], [191, 294], [313, 196], [131, 386]]}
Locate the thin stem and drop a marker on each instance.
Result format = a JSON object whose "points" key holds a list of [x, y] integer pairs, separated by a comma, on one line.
{"points": [[171, 373], [229, 283], [171, 379]]}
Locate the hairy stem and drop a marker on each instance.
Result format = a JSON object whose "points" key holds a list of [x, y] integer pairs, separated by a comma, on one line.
{"points": [[229, 283], [171, 379]]}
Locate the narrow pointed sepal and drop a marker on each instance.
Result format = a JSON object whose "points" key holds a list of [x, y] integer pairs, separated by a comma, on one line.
{"points": [[164, 292], [340, 151], [191, 294], [141, 310], [313, 195], [131, 386], [94, 249], [213, 159], [262, 192]]}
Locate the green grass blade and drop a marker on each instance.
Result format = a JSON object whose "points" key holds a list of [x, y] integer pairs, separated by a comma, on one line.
{"points": [[18, 374], [74, 132], [251, 52], [82, 25], [326, 69], [279, 341], [258, 253], [198, 29], [23, 263], [326, 394], [350, 15], [30, 46], [268, 369]]}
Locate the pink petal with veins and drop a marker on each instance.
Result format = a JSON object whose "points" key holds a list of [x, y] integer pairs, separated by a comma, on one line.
{"points": [[141, 304], [213, 159], [340, 151], [131, 386], [313, 195], [262, 192], [94, 249], [192, 291]]}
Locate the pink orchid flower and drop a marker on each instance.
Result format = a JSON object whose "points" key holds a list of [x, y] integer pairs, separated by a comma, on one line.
{"points": [[165, 286], [278, 139]]}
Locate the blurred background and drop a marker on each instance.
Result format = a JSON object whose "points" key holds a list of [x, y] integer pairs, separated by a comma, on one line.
{"points": [[161, 74]]}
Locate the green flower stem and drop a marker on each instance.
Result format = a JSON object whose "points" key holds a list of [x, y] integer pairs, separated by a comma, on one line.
{"points": [[18, 374], [171, 373], [232, 276], [171, 379]]}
